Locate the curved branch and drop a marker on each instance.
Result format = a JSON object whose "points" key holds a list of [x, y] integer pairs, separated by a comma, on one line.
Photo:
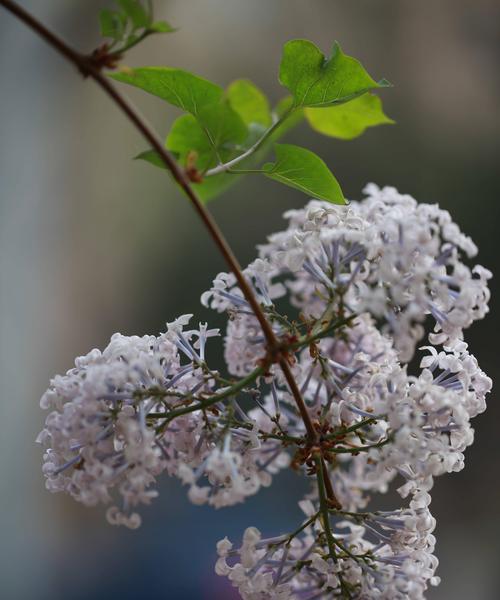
{"points": [[89, 69]]}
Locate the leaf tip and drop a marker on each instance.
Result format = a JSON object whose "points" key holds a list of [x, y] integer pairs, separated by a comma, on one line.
{"points": [[383, 83]]}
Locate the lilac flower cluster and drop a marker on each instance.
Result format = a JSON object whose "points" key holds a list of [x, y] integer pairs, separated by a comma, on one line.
{"points": [[383, 555], [110, 432], [367, 284]]}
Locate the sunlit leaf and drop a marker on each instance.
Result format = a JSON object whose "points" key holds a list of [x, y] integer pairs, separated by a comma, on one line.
{"points": [[347, 121], [249, 102], [315, 80], [302, 169]]}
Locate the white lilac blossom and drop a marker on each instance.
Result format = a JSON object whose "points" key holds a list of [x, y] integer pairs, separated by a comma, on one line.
{"points": [[228, 475], [378, 555], [349, 292]]}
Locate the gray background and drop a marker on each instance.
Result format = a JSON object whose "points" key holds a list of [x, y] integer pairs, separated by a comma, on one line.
{"points": [[92, 243]]}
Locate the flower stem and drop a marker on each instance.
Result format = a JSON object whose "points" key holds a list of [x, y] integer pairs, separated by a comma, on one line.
{"points": [[204, 404], [323, 504]]}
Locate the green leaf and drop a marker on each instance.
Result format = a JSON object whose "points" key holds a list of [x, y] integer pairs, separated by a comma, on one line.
{"points": [[206, 140], [152, 157], [212, 136], [111, 24], [302, 169], [161, 27], [347, 121], [189, 142], [135, 11], [315, 80], [187, 136], [249, 102], [223, 126], [177, 87]]}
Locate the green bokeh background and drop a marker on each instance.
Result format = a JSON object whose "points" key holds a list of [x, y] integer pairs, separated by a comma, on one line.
{"points": [[92, 243]]}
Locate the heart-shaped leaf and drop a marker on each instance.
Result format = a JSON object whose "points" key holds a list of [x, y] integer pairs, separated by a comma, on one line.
{"points": [[302, 169], [347, 121], [315, 80]]}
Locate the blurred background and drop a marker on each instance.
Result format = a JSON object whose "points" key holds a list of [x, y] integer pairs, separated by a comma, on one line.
{"points": [[92, 243]]}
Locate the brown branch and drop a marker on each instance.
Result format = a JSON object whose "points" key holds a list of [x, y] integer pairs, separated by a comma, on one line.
{"points": [[87, 66]]}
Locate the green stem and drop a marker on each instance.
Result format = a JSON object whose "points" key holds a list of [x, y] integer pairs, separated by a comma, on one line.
{"points": [[222, 168], [263, 434], [360, 448], [345, 430], [355, 516], [204, 404], [146, 33], [323, 504], [306, 524], [306, 340]]}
